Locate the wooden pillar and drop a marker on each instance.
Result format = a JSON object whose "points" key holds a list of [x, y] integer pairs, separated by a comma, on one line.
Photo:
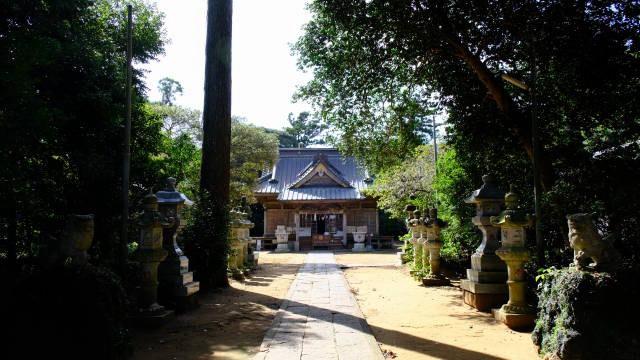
{"points": [[266, 211], [344, 228], [296, 220]]}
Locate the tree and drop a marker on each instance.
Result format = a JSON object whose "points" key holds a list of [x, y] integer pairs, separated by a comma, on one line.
{"points": [[216, 143], [62, 113], [285, 140], [178, 120], [305, 129], [394, 186], [370, 58], [252, 150], [169, 88]]}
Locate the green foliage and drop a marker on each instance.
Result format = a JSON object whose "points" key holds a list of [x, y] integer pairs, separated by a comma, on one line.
{"points": [[89, 300], [305, 129], [208, 257], [252, 151], [169, 88], [580, 317], [178, 120], [414, 176], [452, 186], [376, 63], [62, 113], [285, 140]]}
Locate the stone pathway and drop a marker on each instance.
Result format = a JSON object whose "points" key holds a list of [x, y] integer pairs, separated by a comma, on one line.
{"points": [[319, 318]]}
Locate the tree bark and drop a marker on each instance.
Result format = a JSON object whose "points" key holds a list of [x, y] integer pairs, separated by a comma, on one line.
{"points": [[520, 128], [216, 142]]}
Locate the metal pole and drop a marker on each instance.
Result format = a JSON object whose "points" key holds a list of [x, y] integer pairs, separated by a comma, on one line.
{"points": [[126, 160]]}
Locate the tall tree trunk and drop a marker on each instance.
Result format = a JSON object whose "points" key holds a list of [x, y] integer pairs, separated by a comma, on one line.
{"points": [[216, 142]]}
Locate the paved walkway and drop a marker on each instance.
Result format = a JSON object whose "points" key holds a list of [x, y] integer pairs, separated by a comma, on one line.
{"points": [[319, 319]]}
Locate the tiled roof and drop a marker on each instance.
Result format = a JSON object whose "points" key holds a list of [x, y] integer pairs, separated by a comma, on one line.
{"points": [[293, 164]]}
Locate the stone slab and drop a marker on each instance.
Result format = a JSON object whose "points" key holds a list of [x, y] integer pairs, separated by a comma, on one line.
{"points": [[436, 281], [282, 248], [515, 321], [482, 288], [487, 262], [487, 276]]}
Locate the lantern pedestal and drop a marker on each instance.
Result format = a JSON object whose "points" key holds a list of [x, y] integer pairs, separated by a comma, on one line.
{"points": [[150, 253], [516, 313], [484, 287], [177, 288]]}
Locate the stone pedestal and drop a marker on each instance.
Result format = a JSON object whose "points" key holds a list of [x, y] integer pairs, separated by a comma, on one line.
{"points": [[282, 239], [358, 241], [239, 241], [177, 288], [417, 240], [516, 313], [432, 247], [484, 287], [150, 253], [77, 239]]}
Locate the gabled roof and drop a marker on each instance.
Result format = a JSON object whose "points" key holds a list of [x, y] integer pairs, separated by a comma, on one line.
{"points": [[314, 174], [319, 168]]}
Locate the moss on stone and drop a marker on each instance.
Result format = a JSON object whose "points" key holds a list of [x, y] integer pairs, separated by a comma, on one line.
{"points": [[588, 315]]}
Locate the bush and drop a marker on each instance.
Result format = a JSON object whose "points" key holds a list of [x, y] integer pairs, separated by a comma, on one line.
{"points": [[580, 315], [75, 312]]}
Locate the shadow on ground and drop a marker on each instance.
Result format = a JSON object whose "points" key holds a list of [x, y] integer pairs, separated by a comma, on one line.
{"points": [[231, 324]]}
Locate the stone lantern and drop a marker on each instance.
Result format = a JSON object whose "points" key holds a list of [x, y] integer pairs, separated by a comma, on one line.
{"points": [[150, 253], [432, 246], [417, 239], [78, 237], [409, 209], [177, 287], [282, 238], [516, 313], [239, 242], [485, 288], [359, 241]]}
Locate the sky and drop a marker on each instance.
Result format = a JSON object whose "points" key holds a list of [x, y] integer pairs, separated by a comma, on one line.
{"points": [[264, 73]]}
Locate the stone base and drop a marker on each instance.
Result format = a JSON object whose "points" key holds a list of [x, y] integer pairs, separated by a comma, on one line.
{"points": [[515, 321], [282, 248], [187, 303], [484, 302], [484, 297], [152, 319], [359, 247], [436, 281]]}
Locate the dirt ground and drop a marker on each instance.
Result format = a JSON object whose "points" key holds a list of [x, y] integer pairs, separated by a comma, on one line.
{"points": [[409, 321], [414, 322], [229, 324]]}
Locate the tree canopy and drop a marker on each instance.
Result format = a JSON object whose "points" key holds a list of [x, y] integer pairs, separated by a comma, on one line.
{"points": [[377, 66], [63, 88], [305, 129]]}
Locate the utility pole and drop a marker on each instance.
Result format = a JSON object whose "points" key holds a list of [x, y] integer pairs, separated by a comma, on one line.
{"points": [[121, 252], [435, 144]]}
